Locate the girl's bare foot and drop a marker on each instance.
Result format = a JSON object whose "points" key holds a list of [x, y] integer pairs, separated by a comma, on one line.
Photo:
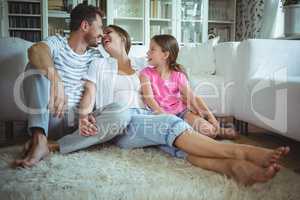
{"points": [[248, 173], [266, 157]]}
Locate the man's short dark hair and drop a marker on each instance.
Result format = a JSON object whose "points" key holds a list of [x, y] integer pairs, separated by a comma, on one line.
{"points": [[83, 12]]}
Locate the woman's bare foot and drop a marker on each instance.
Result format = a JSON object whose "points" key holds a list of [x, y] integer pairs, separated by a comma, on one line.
{"points": [[266, 157], [248, 173], [53, 146], [227, 133], [36, 152]]}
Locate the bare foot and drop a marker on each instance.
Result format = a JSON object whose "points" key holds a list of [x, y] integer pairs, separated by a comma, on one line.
{"points": [[53, 146], [266, 157], [227, 133], [37, 151], [26, 148], [248, 173]]}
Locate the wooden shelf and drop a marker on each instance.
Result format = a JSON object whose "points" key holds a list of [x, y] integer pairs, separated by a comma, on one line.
{"points": [[192, 20], [221, 21], [138, 42], [24, 29], [58, 14], [26, 1], [23, 15], [160, 20], [128, 18]]}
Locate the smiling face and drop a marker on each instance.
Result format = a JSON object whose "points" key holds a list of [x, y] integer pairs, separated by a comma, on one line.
{"points": [[94, 32], [116, 40], [112, 42], [156, 56]]}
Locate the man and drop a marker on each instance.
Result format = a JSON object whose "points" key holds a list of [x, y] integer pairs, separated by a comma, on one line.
{"points": [[55, 91]]}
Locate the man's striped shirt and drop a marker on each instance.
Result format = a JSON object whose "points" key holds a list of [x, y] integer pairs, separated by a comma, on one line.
{"points": [[71, 66]]}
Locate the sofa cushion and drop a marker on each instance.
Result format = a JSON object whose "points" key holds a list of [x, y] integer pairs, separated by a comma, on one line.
{"points": [[200, 59]]}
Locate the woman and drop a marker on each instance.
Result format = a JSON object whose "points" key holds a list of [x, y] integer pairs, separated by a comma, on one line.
{"points": [[116, 80]]}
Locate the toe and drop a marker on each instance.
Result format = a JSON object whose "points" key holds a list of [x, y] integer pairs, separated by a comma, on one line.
{"points": [[30, 163], [269, 173]]}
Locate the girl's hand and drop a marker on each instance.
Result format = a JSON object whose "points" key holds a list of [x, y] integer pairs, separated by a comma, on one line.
{"points": [[215, 123], [217, 127], [200, 113], [87, 125]]}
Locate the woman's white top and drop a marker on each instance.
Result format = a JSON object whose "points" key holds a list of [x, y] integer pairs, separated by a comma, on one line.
{"points": [[113, 87], [128, 87]]}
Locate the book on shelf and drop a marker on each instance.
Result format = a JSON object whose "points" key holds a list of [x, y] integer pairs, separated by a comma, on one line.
{"points": [[24, 22], [24, 8], [56, 30], [62, 5], [55, 5], [32, 36], [160, 9], [26, 27]]}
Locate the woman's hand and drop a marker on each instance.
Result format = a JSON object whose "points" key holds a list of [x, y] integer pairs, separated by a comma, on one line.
{"points": [[87, 125]]}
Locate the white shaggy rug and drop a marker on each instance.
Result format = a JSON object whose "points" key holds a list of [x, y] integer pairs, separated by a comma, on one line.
{"points": [[109, 173]]}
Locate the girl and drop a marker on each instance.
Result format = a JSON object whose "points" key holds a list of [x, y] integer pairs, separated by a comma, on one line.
{"points": [[165, 89]]}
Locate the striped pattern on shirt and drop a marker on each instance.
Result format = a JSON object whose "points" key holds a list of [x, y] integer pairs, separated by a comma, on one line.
{"points": [[71, 66]]}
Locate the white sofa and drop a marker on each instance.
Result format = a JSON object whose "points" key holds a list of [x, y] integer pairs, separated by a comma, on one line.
{"points": [[256, 81], [267, 85]]}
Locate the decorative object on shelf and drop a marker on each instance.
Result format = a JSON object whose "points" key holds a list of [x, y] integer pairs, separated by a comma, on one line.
{"points": [[191, 9], [289, 2], [291, 11], [222, 19]]}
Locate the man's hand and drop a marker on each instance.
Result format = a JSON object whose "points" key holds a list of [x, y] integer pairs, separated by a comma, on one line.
{"points": [[87, 125], [58, 99]]}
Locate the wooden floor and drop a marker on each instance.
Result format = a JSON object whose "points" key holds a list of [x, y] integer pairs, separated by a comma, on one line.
{"points": [[271, 140]]}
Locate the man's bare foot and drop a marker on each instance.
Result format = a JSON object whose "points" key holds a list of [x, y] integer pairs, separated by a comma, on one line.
{"points": [[227, 133], [26, 148], [248, 173], [266, 157], [37, 151]]}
